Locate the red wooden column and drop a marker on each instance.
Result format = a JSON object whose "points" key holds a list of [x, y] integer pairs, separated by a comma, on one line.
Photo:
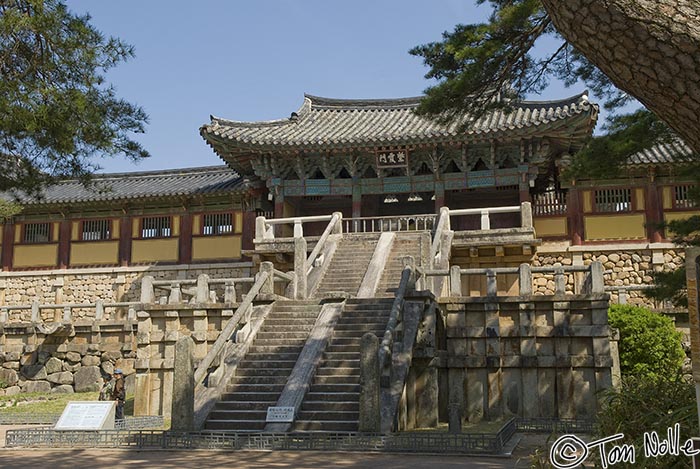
{"points": [[439, 195], [248, 231], [125, 241], [356, 198], [185, 239], [653, 211], [8, 245], [64, 235], [575, 208]]}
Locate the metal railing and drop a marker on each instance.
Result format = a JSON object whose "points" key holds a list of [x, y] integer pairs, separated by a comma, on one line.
{"points": [[425, 222]]}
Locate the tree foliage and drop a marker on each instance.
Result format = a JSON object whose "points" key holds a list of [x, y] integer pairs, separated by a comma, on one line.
{"points": [[649, 345], [57, 113], [484, 66]]}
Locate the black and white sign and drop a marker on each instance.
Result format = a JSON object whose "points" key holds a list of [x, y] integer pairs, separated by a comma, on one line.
{"points": [[87, 415], [280, 414], [392, 159]]}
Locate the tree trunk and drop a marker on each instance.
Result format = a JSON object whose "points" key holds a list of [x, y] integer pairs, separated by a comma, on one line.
{"points": [[648, 48]]}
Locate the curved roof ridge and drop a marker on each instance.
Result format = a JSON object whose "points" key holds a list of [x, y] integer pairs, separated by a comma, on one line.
{"points": [[383, 103], [303, 109], [155, 173]]}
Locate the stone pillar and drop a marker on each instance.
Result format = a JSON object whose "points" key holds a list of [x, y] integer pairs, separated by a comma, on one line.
{"points": [[202, 295], [455, 379], [300, 266], [526, 215], [370, 414], [268, 287], [142, 398], [455, 281], [525, 279], [182, 413], [148, 294]]}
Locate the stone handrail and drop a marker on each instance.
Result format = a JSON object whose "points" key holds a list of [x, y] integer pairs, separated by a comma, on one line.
{"points": [[593, 283], [525, 210], [265, 228], [440, 248], [199, 292], [263, 284], [99, 306], [424, 222], [334, 226], [385, 347]]}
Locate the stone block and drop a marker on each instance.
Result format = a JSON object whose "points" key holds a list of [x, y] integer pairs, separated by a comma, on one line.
{"points": [[90, 360], [87, 378], [13, 390], [73, 357], [43, 356], [107, 367], [29, 358], [34, 372], [36, 386], [11, 365], [9, 377], [62, 377], [71, 367], [62, 389], [111, 356]]}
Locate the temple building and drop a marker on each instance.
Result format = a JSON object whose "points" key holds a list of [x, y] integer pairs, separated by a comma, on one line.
{"points": [[358, 265], [366, 159]]}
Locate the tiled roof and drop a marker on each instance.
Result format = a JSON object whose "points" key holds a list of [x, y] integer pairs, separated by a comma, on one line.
{"points": [[147, 184], [324, 124], [671, 152]]}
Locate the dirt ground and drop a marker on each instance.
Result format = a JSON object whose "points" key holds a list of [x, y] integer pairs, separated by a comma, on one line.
{"points": [[11, 458]]}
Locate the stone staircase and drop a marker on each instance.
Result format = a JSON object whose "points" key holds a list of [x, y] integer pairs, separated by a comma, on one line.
{"points": [[404, 245], [349, 264], [332, 402], [264, 371]]}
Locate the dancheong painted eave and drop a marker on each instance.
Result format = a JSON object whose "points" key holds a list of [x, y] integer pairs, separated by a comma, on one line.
{"points": [[325, 124]]}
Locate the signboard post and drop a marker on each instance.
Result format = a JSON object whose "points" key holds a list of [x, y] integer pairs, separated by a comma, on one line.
{"points": [[87, 415]]}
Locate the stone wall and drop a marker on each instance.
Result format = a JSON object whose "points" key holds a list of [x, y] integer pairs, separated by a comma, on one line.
{"points": [[624, 265], [65, 358], [119, 284], [539, 357]]}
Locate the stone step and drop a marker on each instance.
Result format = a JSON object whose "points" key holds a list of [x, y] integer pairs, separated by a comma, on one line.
{"points": [[338, 379], [325, 425], [295, 323], [231, 425], [301, 308], [335, 387], [344, 348], [331, 406], [356, 333], [270, 357], [354, 363], [249, 362], [280, 342], [254, 414], [245, 396], [293, 315], [274, 379], [247, 405], [282, 334], [338, 371], [333, 396], [341, 341], [260, 371], [286, 348], [338, 415], [246, 387]]}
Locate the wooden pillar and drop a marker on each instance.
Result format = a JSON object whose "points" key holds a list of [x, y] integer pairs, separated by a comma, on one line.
{"points": [[356, 198], [125, 241], [439, 195], [248, 230], [653, 211], [279, 202], [64, 235], [8, 245], [575, 209], [185, 241]]}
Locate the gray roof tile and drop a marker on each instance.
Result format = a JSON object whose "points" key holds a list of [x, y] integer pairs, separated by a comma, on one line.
{"points": [[670, 152], [146, 184]]}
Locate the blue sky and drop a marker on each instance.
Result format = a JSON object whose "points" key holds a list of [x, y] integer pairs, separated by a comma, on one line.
{"points": [[254, 60]]}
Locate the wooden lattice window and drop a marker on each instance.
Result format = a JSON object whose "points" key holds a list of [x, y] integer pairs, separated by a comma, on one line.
{"points": [[681, 197], [549, 203], [613, 200], [96, 230], [217, 223], [156, 227], [37, 233]]}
